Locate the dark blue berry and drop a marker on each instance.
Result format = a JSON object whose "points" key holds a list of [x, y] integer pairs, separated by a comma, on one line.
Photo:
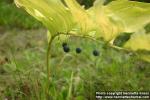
{"points": [[78, 50], [96, 53], [66, 49], [64, 44]]}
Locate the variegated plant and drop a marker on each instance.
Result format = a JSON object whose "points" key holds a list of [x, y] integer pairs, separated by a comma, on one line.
{"points": [[106, 21], [99, 21]]}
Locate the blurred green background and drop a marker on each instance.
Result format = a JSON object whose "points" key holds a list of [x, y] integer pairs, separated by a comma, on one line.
{"points": [[23, 44], [11, 16]]}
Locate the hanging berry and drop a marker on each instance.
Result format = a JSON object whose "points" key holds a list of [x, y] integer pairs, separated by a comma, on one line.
{"points": [[64, 44], [66, 49], [78, 50], [95, 53]]}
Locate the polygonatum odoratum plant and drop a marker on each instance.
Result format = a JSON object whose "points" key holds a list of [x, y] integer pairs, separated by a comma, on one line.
{"points": [[119, 19], [106, 22]]}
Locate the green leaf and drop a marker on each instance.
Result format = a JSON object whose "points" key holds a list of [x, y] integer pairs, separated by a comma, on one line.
{"points": [[52, 13], [139, 41], [134, 15], [122, 39], [81, 17], [107, 27]]}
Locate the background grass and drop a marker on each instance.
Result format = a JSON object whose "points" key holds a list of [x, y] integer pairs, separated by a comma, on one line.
{"points": [[11, 16], [74, 76]]}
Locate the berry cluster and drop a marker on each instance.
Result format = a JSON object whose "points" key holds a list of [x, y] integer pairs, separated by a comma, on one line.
{"points": [[65, 47], [78, 50]]}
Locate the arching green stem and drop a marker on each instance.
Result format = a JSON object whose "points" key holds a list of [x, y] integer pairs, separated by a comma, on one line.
{"points": [[48, 58], [49, 53]]}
